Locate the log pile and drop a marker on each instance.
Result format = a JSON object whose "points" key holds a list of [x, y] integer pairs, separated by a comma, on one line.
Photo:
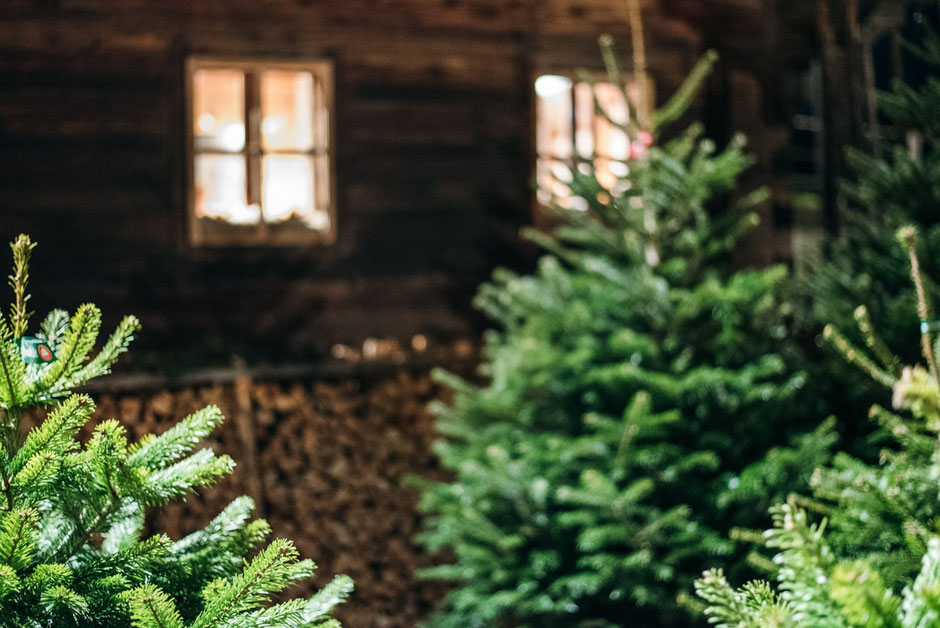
{"points": [[324, 462]]}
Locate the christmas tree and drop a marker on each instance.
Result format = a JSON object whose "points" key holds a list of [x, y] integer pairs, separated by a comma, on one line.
{"points": [[72, 550], [875, 559], [893, 186], [631, 380]]}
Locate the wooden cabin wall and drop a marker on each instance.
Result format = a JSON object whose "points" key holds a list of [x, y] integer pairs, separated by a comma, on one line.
{"points": [[433, 112]]}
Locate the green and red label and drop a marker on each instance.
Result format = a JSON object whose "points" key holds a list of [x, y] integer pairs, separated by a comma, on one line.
{"points": [[35, 350]]}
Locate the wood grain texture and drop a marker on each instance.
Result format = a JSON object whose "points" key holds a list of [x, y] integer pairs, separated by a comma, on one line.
{"points": [[433, 115]]}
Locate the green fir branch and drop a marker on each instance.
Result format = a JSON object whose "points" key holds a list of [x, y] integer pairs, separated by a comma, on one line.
{"points": [[19, 316]]}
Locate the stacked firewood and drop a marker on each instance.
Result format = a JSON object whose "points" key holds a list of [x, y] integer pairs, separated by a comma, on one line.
{"points": [[324, 462]]}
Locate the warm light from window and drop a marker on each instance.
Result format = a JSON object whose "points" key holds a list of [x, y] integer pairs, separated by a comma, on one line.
{"points": [[261, 147], [549, 85], [287, 101], [219, 106], [571, 134]]}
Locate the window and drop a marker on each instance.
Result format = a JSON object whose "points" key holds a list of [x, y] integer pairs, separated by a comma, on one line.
{"points": [[569, 131], [260, 147]]}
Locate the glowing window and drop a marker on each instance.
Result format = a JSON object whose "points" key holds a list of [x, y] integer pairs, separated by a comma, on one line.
{"points": [[569, 131], [261, 147]]}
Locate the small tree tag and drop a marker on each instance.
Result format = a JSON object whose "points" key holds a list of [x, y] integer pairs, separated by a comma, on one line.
{"points": [[35, 350]]}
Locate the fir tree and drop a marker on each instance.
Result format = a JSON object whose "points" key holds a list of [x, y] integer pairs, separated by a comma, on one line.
{"points": [[631, 379], [875, 559], [894, 185], [72, 550]]}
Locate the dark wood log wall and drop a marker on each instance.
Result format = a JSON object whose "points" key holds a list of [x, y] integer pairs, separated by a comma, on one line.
{"points": [[433, 111]]}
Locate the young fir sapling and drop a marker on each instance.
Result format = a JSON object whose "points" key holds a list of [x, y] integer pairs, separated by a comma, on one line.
{"points": [[631, 378], [72, 550]]}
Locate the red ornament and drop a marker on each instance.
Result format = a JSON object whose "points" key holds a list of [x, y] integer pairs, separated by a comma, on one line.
{"points": [[45, 353]]}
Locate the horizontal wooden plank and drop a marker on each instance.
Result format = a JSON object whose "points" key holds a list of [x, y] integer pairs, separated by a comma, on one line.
{"points": [[466, 15], [387, 196], [81, 120], [312, 293], [328, 369], [59, 101], [583, 16], [365, 54], [145, 31], [119, 143], [409, 124], [50, 200], [323, 289], [30, 32], [67, 164], [53, 64], [56, 78], [429, 163], [485, 16]]}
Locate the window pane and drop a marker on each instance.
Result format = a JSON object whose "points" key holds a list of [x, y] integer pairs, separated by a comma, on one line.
{"points": [[219, 110], [584, 120], [552, 176], [288, 191], [554, 117], [287, 105], [221, 190], [609, 141]]}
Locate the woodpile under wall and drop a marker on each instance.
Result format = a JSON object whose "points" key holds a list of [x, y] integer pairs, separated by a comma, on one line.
{"points": [[324, 461]]}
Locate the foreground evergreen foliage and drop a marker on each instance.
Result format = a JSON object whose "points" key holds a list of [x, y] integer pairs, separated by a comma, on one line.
{"points": [[72, 551], [875, 560], [632, 377]]}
